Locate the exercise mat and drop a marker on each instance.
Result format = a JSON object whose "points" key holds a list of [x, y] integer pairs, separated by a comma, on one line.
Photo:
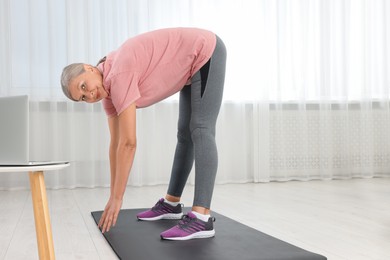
{"points": [[140, 240]]}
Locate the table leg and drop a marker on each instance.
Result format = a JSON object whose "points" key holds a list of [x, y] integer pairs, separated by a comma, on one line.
{"points": [[41, 216]]}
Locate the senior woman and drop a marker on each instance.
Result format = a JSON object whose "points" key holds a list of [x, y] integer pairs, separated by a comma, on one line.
{"points": [[144, 70]]}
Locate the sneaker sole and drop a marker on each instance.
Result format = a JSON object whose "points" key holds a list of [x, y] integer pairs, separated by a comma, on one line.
{"points": [[201, 234], [165, 216]]}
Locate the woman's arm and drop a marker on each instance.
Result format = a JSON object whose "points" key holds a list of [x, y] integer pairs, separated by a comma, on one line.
{"points": [[113, 126], [125, 150], [122, 151]]}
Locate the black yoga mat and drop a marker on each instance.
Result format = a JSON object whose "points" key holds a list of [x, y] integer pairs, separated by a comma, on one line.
{"points": [[140, 240]]}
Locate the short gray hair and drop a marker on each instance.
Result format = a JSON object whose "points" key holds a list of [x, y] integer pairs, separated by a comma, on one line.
{"points": [[68, 74]]}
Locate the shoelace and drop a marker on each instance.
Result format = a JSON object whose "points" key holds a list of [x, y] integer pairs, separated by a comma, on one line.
{"points": [[186, 222], [158, 205]]}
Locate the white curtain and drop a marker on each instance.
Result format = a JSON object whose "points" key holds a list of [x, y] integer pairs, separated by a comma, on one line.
{"points": [[306, 93]]}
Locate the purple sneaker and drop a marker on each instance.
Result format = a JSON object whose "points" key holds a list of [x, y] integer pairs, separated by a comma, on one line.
{"points": [[161, 210], [190, 227]]}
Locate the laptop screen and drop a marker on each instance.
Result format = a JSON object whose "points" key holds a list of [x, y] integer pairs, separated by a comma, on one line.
{"points": [[14, 122]]}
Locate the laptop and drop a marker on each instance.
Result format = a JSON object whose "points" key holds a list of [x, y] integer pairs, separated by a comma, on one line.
{"points": [[14, 133]]}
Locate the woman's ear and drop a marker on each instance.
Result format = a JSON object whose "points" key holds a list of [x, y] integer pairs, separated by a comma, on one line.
{"points": [[89, 67]]}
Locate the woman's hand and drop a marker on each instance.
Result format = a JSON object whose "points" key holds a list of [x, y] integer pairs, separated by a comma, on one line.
{"points": [[110, 214]]}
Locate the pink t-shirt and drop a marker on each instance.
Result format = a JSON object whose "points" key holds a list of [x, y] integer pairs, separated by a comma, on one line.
{"points": [[153, 66]]}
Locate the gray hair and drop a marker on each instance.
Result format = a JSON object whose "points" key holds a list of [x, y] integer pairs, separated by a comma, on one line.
{"points": [[68, 74]]}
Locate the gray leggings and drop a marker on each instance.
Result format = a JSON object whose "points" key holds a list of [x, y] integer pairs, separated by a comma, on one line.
{"points": [[198, 111]]}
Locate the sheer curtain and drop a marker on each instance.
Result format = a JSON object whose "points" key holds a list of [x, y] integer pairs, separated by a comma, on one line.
{"points": [[307, 87]]}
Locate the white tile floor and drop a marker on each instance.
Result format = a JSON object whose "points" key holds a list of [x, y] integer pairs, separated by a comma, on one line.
{"points": [[341, 219]]}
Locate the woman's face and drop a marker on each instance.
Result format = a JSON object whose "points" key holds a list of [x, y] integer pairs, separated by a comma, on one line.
{"points": [[88, 86]]}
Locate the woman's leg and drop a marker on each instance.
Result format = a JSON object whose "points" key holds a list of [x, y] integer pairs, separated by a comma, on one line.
{"points": [[184, 154], [198, 111], [206, 98]]}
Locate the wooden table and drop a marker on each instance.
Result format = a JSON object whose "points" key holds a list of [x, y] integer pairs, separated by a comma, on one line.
{"points": [[39, 199]]}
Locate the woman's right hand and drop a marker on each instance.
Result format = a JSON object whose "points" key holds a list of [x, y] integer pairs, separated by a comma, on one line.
{"points": [[110, 214]]}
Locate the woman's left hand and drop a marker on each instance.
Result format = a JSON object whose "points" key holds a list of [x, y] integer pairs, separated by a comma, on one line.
{"points": [[110, 214]]}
